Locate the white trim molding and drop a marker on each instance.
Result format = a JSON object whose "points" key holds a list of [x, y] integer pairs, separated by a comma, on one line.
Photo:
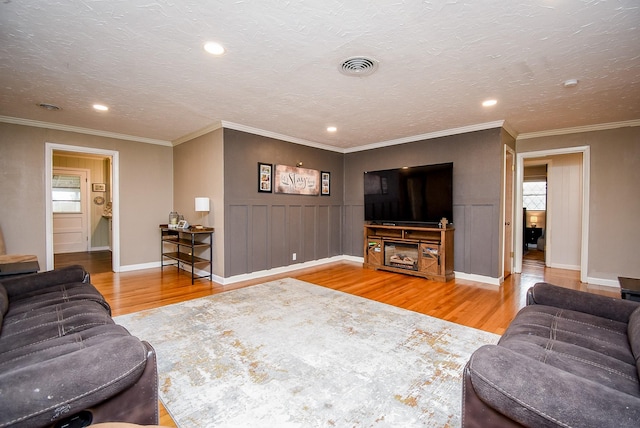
{"points": [[579, 129], [431, 135], [115, 195], [87, 131]]}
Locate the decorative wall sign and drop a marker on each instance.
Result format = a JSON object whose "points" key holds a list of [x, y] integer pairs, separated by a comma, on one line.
{"points": [[297, 181], [99, 187], [325, 183], [264, 177]]}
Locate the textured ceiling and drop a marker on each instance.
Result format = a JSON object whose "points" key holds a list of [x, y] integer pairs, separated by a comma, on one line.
{"points": [[438, 60]]}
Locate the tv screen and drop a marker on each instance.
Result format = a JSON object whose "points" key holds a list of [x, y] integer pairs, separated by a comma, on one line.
{"points": [[419, 194]]}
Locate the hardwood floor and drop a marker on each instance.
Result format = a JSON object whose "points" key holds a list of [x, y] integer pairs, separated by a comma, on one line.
{"points": [[469, 303], [93, 261]]}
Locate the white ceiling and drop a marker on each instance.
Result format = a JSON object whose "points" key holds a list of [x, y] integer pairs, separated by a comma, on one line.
{"points": [[438, 60]]}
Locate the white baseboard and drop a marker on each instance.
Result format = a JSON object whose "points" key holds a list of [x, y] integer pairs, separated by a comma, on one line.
{"points": [[605, 282], [480, 278], [129, 268], [567, 267], [279, 270], [107, 248]]}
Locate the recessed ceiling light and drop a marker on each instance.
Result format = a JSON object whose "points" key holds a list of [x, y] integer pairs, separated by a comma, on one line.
{"points": [[332, 129], [570, 83], [100, 107], [489, 103], [214, 48]]}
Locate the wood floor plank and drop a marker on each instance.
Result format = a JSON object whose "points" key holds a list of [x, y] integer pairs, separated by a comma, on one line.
{"points": [[469, 303]]}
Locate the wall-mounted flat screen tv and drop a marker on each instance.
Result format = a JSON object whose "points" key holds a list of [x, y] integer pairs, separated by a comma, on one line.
{"points": [[419, 194]]}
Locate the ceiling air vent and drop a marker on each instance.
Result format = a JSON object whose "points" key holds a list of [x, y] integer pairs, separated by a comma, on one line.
{"points": [[358, 66]]}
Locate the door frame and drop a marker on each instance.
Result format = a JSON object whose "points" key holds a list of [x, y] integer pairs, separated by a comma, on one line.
{"points": [[115, 194], [508, 200], [86, 206], [586, 173]]}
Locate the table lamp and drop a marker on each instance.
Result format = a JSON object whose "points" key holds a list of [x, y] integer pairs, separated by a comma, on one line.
{"points": [[202, 205], [533, 220]]}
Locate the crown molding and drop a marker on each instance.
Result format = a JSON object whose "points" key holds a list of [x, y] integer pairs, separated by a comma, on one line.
{"points": [[430, 135], [579, 129], [77, 129], [269, 134], [199, 133]]}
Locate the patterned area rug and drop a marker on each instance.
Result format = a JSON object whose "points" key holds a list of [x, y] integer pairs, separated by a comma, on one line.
{"points": [[293, 354]]}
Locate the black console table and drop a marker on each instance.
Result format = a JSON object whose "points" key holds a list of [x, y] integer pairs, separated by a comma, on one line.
{"points": [[180, 247]]}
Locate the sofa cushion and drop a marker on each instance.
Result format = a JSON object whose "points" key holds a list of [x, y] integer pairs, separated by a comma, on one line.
{"points": [[25, 284], [50, 323], [54, 295], [604, 336]]}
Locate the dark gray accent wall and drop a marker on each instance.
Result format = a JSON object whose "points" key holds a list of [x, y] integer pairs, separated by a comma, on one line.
{"points": [[263, 230], [477, 190]]}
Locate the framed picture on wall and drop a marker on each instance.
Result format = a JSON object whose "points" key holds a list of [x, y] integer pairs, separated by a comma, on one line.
{"points": [[265, 177], [99, 187], [325, 183]]}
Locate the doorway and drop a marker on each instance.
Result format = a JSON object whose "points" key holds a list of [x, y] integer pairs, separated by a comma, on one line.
{"points": [[535, 211], [565, 222], [96, 196]]}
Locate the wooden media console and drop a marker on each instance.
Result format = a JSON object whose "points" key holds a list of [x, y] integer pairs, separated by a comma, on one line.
{"points": [[413, 250]]}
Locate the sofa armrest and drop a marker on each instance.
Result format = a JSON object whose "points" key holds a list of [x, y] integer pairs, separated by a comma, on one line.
{"points": [[28, 283], [611, 308], [538, 395]]}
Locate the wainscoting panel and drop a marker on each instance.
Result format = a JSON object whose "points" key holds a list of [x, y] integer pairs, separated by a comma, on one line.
{"points": [[295, 227], [279, 250], [460, 250], [353, 236], [309, 222], [259, 237], [264, 236], [335, 230], [322, 237], [481, 220], [238, 221]]}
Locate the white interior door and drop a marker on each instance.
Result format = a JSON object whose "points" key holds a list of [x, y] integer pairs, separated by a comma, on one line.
{"points": [[69, 193]]}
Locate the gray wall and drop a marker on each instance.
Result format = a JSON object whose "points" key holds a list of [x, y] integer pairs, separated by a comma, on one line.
{"points": [[477, 191], [614, 201], [146, 187], [263, 230]]}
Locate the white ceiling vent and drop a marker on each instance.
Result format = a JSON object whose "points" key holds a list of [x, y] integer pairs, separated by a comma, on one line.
{"points": [[358, 66]]}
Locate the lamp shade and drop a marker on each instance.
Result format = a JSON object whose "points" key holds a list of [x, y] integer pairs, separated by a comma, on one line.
{"points": [[533, 218], [202, 204]]}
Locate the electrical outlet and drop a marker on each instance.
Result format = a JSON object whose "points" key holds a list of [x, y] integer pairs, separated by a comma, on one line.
{"points": [[294, 256]]}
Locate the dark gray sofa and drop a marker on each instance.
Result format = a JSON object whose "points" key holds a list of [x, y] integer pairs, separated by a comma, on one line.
{"points": [[568, 359], [64, 361]]}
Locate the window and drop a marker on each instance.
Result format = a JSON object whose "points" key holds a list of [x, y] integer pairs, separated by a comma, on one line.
{"points": [[65, 195], [534, 195]]}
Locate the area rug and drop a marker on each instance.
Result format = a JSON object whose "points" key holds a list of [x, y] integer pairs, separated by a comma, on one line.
{"points": [[292, 354]]}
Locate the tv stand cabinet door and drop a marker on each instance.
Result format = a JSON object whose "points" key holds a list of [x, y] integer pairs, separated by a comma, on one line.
{"points": [[375, 254], [430, 259]]}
